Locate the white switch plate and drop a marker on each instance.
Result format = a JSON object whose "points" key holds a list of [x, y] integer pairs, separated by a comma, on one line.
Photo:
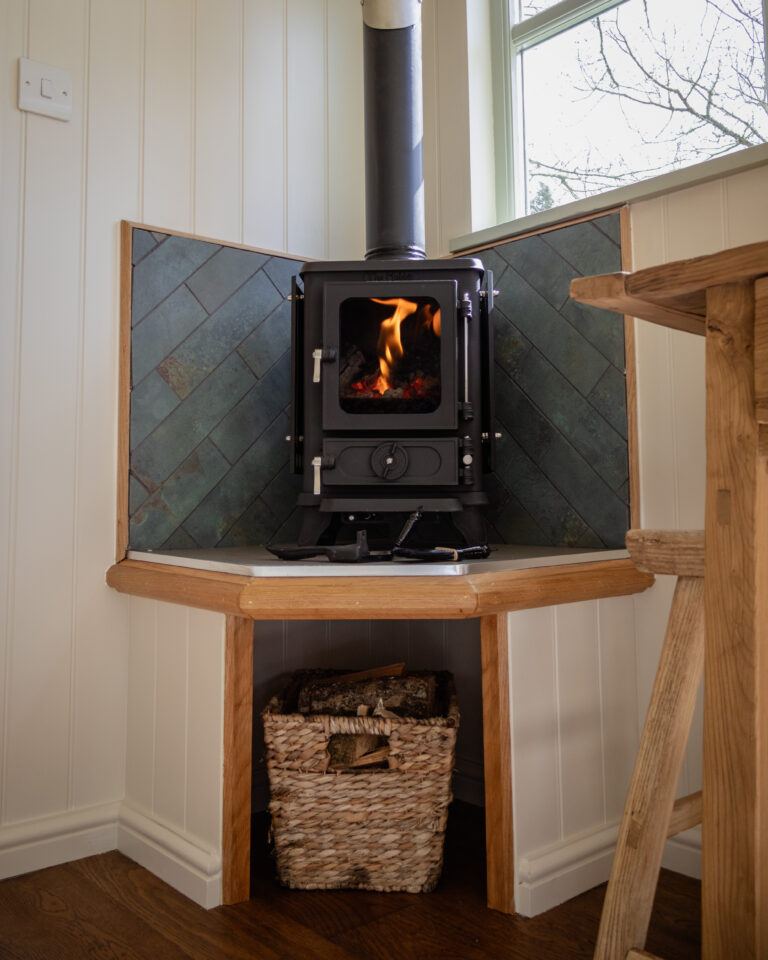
{"points": [[45, 89]]}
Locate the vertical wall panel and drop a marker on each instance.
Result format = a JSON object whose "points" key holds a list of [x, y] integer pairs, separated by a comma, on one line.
{"points": [[171, 692], [346, 160], [746, 206], [616, 625], [307, 150], [204, 726], [535, 735], [114, 96], [12, 131], [168, 161], [579, 717], [142, 703], [264, 124], [218, 126], [446, 123], [40, 711]]}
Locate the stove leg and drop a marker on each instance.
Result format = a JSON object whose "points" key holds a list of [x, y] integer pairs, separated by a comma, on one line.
{"points": [[313, 526], [471, 525]]}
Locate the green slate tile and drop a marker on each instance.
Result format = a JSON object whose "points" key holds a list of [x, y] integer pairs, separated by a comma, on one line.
{"points": [[575, 418], [227, 502], [151, 402], [541, 266], [586, 247], [269, 341], [223, 275], [219, 335], [164, 269], [152, 524], [611, 226], [178, 435], [280, 271], [193, 479], [573, 355], [609, 398], [248, 419], [510, 347], [577, 479], [162, 330], [137, 494], [603, 328], [142, 243]]}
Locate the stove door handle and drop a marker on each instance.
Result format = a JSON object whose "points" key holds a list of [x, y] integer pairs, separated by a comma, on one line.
{"points": [[321, 355]]}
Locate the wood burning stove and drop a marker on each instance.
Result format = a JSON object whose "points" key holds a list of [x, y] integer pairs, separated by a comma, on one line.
{"points": [[391, 382]]}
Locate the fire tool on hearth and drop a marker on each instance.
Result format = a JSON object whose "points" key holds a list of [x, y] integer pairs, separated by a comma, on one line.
{"points": [[391, 412]]}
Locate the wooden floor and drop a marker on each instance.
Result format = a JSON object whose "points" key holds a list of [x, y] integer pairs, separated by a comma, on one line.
{"points": [[106, 907]]}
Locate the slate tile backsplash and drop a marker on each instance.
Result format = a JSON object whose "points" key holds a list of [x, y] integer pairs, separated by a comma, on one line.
{"points": [[211, 389]]}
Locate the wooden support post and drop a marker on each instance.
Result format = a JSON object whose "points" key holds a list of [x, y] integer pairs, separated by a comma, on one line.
{"points": [[735, 774], [238, 721], [648, 809], [499, 845]]}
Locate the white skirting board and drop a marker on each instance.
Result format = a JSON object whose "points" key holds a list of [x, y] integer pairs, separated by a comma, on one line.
{"points": [[193, 870], [548, 877], [60, 838]]}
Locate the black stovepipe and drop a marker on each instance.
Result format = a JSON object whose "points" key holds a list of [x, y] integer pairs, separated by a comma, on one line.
{"points": [[394, 126]]}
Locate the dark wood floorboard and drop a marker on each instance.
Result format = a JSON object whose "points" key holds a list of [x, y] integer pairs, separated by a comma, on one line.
{"points": [[108, 908]]}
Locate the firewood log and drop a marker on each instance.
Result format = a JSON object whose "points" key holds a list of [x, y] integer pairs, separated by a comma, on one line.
{"points": [[409, 696]]}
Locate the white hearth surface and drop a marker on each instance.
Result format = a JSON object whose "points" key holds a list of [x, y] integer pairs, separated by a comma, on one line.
{"points": [[257, 561]]}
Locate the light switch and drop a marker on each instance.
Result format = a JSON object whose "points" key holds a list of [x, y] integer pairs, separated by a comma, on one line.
{"points": [[45, 89]]}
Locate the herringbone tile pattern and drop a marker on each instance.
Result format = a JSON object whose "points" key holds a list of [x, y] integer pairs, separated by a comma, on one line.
{"points": [[562, 471], [211, 389]]}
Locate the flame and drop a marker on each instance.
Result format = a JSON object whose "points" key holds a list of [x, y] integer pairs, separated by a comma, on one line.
{"points": [[390, 346], [432, 321]]}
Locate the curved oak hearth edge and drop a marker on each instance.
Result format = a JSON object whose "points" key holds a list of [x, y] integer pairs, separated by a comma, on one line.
{"points": [[488, 596], [378, 598]]}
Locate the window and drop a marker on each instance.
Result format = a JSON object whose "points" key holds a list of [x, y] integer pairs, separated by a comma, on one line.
{"points": [[599, 94]]}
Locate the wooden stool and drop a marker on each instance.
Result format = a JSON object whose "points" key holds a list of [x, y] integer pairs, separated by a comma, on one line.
{"points": [[651, 814]]}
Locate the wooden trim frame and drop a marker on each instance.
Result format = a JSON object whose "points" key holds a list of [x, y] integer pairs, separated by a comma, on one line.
{"points": [[124, 390], [497, 748], [236, 774], [630, 362]]}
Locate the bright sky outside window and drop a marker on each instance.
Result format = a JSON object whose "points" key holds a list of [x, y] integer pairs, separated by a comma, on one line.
{"points": [[644, 88]]}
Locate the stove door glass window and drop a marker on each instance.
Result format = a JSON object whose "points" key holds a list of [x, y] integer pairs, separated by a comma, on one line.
{"points": [[390, 355]]}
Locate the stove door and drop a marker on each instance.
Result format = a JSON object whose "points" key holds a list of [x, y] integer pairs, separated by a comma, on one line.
{"points": [[389, 356]]}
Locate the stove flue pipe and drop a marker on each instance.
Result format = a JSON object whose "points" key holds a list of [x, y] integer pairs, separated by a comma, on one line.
{"points": [[394, 127]]}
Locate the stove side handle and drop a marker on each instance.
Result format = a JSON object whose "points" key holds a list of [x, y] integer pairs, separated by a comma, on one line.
{"points": [[488, 412], [296, 435]]}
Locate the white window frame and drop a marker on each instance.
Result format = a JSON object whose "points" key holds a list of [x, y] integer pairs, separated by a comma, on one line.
{"points": [[509, 39]]}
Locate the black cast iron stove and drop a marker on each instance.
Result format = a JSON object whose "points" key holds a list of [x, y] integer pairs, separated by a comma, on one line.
{"points": [[391, 397]]}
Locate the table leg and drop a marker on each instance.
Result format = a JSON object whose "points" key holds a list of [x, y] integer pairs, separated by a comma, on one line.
{"points": [[735, 804], [498, 763]]}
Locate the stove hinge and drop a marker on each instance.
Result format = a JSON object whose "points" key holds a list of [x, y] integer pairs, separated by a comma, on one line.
{"points": [[296, 435]]}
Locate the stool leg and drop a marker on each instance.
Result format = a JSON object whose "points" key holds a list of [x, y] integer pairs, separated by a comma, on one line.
{"points": [[643, 831]]}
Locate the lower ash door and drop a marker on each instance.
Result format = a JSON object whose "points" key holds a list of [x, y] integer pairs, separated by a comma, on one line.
{"points": [[374, 461]]}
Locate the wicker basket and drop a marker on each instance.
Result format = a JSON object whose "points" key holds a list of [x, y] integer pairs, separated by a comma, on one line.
{"points": [[365, 829]]}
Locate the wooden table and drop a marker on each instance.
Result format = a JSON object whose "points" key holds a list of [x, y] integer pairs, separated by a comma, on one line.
{"points": [[487, 596], [725, 298]]}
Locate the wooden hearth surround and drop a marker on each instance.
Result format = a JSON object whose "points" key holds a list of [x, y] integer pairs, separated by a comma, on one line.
{"points": [[487, 596], [724, 297]]}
